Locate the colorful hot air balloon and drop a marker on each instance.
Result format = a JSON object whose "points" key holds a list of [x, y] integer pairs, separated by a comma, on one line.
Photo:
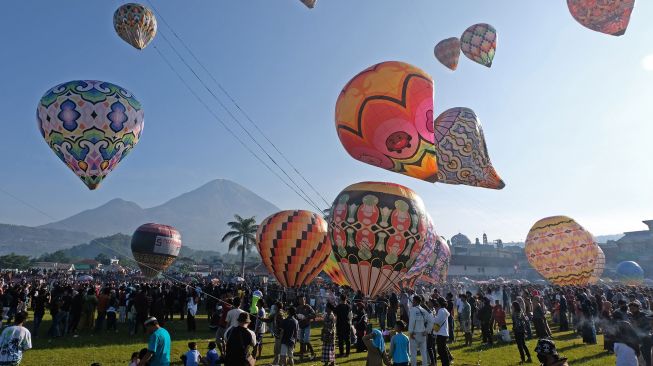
{"points": [[447, 52], [605, 16], [377, 230], [599, 266], [91, 126], [438, 268], [461, 151], [427, 252], [332, 269], [155, 247], [630, 273], [293, 246], [384, 117], [479, 42], [309, 3], [562, 251], [135, 24]]}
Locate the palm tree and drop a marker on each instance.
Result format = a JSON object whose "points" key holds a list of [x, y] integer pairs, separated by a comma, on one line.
{"points": [[241, 237]]}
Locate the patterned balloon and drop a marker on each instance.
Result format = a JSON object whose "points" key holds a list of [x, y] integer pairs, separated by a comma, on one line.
{"points": [[377, 230], [447, 52], [309, 3], [91, 126], [293, 246], [461, 150], [384, 117], [155, 247], [479, 42], [332, 269], [599, 266], [427, 252], [438, 268], [630, 273], [135, 24], [605, 16], [562, 251]]}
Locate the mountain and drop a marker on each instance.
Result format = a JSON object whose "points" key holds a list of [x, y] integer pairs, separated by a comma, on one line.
{"points": [[605, 238], [200, 215], [31, 241]]}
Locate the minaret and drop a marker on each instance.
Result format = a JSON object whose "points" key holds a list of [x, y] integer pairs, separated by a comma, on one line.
{"points": [[484, 239]]}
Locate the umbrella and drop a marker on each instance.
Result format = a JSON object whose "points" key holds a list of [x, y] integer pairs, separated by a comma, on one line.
{"points": [[85, 278]]}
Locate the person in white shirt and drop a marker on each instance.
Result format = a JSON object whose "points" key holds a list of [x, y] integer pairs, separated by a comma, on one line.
{"points": [[232, 315], [441, 328], [420, 322], [14, 341]]}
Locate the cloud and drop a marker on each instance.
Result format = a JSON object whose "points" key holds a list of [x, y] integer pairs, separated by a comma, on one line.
{"points": [[647, 62]]}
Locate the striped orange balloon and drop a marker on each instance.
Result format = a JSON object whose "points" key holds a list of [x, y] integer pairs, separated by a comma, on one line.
{"points": [[293, 246]]}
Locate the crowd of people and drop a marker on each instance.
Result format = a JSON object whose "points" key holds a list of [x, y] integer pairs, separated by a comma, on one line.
{"points": [[397, 328]]}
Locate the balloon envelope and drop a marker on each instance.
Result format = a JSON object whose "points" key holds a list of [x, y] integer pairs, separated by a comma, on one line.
{"points": [[91, 126], [293, 246], [135, 24], [599, 266], [309, 3], [384, 117], [605, 16], [377, 230], [461, 151], [427, 252], [155, 247], [479, 42], [630, 273], [332, 269], [447, 52], [562, 251], [438, 268]]}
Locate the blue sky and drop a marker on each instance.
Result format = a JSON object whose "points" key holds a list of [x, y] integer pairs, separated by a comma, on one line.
{"points": [[566, 111]]}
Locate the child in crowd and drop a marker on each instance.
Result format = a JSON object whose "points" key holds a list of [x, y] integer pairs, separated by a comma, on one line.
{"points": [[399, 346], [135, 360], [212, 358], [192, 357]]}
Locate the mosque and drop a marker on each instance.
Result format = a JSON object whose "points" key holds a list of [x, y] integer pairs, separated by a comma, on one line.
{"points": [[483, 259]]}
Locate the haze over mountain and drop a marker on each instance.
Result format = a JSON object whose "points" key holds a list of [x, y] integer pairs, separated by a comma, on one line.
{"points": [[200, 215]]}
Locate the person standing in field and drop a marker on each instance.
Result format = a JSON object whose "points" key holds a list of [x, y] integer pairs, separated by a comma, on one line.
{"points": [[158, 345], [14, 341], [305, 314]]}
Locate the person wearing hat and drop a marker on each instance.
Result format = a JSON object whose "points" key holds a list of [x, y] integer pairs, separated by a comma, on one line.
{"points": [[548, 355], [642, 327], [158, 345], [240, 343]]}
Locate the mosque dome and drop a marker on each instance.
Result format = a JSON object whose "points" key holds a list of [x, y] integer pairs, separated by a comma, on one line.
{"points": [[460, 239]]}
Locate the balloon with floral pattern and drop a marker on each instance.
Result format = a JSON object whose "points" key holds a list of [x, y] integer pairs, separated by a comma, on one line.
{"points": [[135, 24], [91, 126], [604, 16]]}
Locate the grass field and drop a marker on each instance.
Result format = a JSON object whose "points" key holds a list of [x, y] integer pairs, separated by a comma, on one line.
{"points": [[116, 348]]}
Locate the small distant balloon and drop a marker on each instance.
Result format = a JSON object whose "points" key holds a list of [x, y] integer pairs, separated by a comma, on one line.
{"points": [[332, 269], [630, 273], [309, 3], [91, 126], [604, 16], [461, 151], [155, 247], [135, 24], [479, 43], [447, 52]]}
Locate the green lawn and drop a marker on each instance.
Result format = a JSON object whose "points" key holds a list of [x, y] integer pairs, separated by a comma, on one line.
{"points": [[116, 348]]}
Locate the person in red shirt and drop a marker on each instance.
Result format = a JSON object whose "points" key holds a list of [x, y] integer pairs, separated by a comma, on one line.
{"points": [[222, 324], [499, 316]]}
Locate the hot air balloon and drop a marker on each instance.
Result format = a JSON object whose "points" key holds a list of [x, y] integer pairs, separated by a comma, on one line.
{"points": [[630, 273], [461, 151], [599, 266], [91, 126], [384, 117], [479, 42], [332, 269], [438, 268], [562, 251], [447, 52], [605, 16], [155, 247], [309, 3], [293, 246], [427, 252], [135, 24], [377, 230]]}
